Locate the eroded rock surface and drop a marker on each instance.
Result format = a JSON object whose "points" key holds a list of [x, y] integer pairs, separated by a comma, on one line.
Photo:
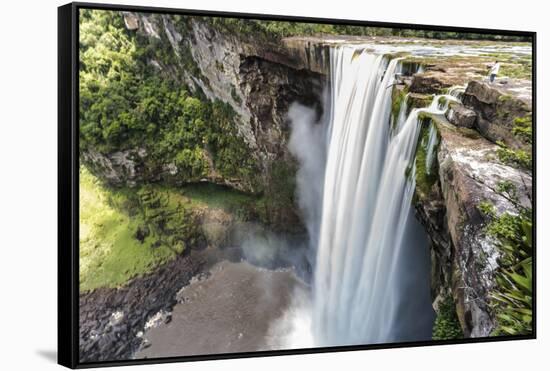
{"points": [[465, 257], [461, 116], [496, 111]]}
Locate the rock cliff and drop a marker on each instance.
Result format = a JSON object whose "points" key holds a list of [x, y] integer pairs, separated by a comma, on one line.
{"points": [[464, 257]]}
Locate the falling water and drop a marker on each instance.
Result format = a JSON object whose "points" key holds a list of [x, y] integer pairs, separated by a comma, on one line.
{"points": [[356, 183], [433, 140], [371, 281]]}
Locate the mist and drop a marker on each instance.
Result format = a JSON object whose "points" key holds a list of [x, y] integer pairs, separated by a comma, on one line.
{"points": [[307, 144]]}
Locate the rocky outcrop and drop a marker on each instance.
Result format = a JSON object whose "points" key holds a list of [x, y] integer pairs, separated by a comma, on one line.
{"points": [[118, 168], [308, 54], [496, 111], [461, 116], [431, 82], [463, 256], [431, 212], [416, 100]]}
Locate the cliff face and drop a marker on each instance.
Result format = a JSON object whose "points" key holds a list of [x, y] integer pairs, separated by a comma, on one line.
{"points": [[258, 79], [464, 257]]}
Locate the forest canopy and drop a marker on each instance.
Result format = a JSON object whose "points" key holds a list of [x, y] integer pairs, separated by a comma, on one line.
{"points": [[279, 29], [125, 102]]}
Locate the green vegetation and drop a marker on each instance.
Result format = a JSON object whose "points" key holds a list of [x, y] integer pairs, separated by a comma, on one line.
{"points": [[278, 197], [515, 157], [511, 300], [110, 253], [277, 29], [125, 102], [518, 68], [425, 178], [447, 325], [398, 97], [242, 206], [523, 128], [126, 232]]}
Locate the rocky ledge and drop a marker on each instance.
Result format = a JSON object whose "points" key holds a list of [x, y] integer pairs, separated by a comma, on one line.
{"points": [[464, 257]]}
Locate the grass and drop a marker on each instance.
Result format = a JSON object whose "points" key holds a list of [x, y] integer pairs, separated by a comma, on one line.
{"points": [[110, 255], [166, 217], [216, 196], [398, 96]]}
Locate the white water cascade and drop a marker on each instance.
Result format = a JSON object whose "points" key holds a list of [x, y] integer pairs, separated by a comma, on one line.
{"points": [[371, 280]]}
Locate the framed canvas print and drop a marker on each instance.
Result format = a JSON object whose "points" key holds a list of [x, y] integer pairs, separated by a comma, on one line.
{"points": [[236, 185]]}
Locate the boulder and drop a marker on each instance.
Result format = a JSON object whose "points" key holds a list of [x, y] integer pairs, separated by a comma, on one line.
{"points": [[461, 116], [496, 111]]}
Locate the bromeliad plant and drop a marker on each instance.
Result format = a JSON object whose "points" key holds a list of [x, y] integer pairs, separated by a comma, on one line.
{"points": [[512, 298]]}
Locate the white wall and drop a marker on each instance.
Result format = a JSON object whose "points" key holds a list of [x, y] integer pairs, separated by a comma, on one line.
{"points": [[28, 182]]}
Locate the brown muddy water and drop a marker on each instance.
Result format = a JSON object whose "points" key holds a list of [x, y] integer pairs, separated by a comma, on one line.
{"points": [[231, 309]]}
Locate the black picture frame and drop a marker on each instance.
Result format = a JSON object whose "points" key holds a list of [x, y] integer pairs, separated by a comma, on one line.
{"points": [[68, 183]]}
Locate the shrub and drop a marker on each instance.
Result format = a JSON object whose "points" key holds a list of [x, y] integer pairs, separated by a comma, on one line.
{"points": [[518, 158], [523, 128], [511, 300], [447, 325]]}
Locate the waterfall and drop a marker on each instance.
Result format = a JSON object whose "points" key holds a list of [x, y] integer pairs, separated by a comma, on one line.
{"points": [[371, 281], [433, 140], [356, 182]]}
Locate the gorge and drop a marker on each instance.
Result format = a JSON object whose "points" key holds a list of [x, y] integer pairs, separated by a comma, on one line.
{"points": [[329, 190]]}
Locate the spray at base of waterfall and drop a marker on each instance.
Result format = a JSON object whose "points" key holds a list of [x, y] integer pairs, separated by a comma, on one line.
{"points": [[293, 329]]}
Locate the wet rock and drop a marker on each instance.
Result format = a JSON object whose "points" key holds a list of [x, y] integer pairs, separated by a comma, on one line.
{"points": [[112, 332], [431, 212], [461, 116], [416, 100], [115, 331]]}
